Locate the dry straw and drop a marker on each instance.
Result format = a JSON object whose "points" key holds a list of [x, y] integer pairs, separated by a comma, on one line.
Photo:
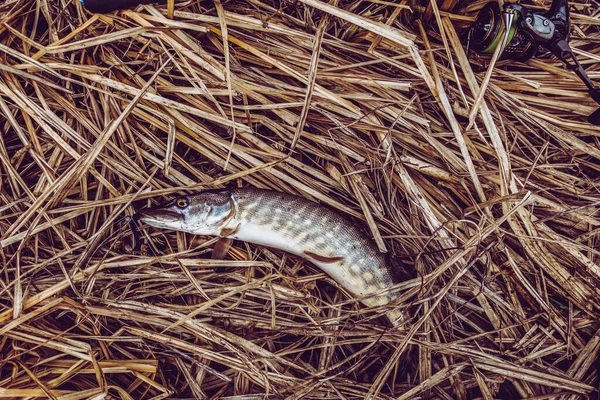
{"points": [[350, 103]]}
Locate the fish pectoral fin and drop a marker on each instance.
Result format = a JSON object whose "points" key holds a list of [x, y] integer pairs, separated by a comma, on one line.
{"points": [[229, 231], [221, 248], [322, 258]]}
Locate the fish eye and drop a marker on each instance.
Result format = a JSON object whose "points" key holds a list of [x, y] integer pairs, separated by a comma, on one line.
{"points": [[182, 202]]}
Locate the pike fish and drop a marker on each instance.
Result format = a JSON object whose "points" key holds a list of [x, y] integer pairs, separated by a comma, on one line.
{"points": [[290, 223]]}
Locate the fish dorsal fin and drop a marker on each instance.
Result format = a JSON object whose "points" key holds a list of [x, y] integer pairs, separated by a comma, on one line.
{"points": [[221, 248], [321, 258]]}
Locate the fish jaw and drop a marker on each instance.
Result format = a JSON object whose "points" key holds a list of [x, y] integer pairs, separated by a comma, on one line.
{"points": [[164, 219], [160, 218]]}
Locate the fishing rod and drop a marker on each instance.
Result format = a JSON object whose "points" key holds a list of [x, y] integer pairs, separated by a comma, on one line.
{"points": [[106, 6], [524, 33], [521, 31]]}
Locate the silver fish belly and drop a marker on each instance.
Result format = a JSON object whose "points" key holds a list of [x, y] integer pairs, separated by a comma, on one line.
{"points": [[289, 223]]}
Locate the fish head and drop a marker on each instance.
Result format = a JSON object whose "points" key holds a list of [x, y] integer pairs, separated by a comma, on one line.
{"points": [[201, 214]]}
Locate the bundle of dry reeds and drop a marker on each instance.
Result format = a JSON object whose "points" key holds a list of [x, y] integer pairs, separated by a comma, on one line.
{"points": [[490, 207]]}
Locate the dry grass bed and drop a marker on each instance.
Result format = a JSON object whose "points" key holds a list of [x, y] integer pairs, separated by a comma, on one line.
{"points": [[343, 102]]}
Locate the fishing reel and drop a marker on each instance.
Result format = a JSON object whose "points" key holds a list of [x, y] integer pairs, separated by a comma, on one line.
{"points": [[521, 33]]}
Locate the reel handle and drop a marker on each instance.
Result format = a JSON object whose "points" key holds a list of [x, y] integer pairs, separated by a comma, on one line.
{"points": [[564, 52], [594, 118]]}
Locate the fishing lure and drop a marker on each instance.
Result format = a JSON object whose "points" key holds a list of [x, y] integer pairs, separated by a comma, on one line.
{"points": [[289, 223]]}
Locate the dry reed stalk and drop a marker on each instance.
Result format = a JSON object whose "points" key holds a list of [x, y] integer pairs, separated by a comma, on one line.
{"points": [[353, 104]]}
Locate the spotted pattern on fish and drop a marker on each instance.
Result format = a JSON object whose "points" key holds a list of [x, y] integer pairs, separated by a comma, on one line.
{"points": [[290, 223]]}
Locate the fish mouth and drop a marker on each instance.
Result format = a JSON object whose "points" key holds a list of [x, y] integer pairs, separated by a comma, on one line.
{"points": [[157, 217]]}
